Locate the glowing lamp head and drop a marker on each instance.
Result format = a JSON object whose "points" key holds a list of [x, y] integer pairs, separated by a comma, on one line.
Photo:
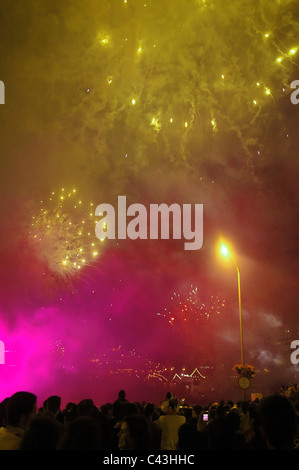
{"points": [[224, 251]]}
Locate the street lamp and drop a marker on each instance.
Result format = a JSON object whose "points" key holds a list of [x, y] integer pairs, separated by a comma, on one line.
{"points": [[227, 253]]}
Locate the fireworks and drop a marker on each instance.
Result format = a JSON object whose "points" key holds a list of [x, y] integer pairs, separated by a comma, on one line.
{"points": [[63, 232], [187, 308], [57, 353]]}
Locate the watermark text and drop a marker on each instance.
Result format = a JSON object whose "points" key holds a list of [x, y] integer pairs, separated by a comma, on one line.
{"points": [[295, 354], [2, 353], [294, 96], [152, 224], [2, 92]]}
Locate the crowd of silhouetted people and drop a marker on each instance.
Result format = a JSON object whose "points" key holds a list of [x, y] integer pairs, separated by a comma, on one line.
{"points": [[263, 424]]}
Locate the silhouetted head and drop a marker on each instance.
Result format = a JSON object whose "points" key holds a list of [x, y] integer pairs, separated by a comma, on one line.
{"points": [[278, 422], [173, 406], [149, 409], [83, 433], [121, 394], [43, 434], [133, 433], [20, 409], [53, 404]]}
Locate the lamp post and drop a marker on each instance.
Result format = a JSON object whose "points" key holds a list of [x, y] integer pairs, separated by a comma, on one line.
{"points": [[226, 252]]}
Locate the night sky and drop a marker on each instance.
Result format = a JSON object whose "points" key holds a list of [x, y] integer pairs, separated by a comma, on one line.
{"points": [[167, 101]]}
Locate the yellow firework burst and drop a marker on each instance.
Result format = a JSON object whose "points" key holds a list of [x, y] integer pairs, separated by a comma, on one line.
{"points": [[63, 232]]}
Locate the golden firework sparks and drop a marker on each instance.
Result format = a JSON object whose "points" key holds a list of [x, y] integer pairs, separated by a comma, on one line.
{"points": [[63, 232]]}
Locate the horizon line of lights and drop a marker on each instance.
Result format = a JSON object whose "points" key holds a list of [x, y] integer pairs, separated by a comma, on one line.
{"points": [[176, 375], [189, 375]]}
